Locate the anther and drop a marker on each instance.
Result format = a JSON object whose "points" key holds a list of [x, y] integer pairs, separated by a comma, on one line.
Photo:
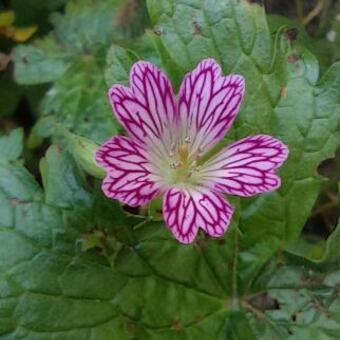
{"points": [[195, 167], [187, 139], [172, 150], [198, 154], [175, 165]]}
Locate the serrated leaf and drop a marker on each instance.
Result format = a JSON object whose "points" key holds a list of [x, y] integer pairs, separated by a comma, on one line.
{"points": [[54, 290], [118, 64], [51, 287], [308, 303], [119, 60]]}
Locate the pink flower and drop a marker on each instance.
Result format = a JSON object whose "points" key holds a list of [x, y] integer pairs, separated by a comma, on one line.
{"points": [[168, 137]]}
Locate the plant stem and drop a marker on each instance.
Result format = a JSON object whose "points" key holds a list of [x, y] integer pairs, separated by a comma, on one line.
{"points": [[314, 12]]}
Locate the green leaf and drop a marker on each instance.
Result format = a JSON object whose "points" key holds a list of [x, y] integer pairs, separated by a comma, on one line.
{"points": [[47, 286], [78, 100], [11, 145], [307, 302], [118, 64], [119, 60], [73, 58], [50, 288], [39, 63]]}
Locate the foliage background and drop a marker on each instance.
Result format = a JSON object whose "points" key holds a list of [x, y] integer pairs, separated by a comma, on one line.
{"points": [[74, 265]]}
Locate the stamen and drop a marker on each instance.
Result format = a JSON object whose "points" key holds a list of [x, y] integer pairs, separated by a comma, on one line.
{"points": [[172, 150], [175, 164], [187, 139], [194, 166]]}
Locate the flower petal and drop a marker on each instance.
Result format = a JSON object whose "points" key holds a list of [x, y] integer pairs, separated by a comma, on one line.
{"points": [[208, 104], [186, 210], [246, 168], [147, 109], [130, 176]]}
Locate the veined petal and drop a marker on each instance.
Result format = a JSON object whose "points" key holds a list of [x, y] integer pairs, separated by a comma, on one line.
{"points": [[247, 167], [208, 104], [187, 210], [147, 108], [130, 176]]}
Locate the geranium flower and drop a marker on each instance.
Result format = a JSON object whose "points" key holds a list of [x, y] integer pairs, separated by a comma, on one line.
{"points": [[167, 139]]}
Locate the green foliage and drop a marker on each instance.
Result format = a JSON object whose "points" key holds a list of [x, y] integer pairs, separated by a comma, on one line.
{"points": [[11, 145], [47, 285], [284, 98], [72, 57], [74, 265], [83, 151]]}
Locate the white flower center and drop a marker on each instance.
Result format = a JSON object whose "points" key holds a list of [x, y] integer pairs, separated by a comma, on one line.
{"points": [[181, 166]]}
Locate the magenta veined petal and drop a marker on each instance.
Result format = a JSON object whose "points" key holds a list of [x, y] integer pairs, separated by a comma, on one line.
{"points": [[163, 153], [247, 167], [130, 176], [147, 108], [208, 104], [187, 210]]}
